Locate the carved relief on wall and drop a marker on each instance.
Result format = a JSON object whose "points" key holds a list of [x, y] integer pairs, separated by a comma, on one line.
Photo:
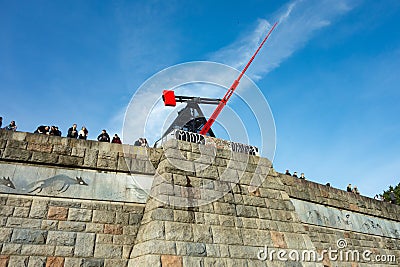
{"points": [[73, 183], [316, 214]]}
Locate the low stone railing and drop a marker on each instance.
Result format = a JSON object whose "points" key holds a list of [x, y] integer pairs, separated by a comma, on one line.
{"points": [[68, 152]]}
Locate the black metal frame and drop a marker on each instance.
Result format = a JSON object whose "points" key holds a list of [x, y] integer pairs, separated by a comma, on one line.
{"points": [[191, 118]]}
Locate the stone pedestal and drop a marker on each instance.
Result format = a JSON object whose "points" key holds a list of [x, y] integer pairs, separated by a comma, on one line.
{"points": [[212, 207]]}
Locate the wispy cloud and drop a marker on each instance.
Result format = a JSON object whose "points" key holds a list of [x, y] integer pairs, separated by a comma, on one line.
{"points": [[286, 14], [298, 22]]}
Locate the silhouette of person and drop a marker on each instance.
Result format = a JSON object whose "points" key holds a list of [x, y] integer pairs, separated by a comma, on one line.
{"points": [[72, 132], [103, 137], [144, 142], [57, 131], [355, 190], [392, 197], [349, 189], [54, 131], [138, 142], [116, 139], [43, 129]]}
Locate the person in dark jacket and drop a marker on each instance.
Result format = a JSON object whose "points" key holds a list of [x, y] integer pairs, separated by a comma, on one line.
{"points": [[43, 129], [138, 142], [288, 173], [57, 131], [72, 132], [349, 189], [103, 137], [116, 139], [54, 131]]}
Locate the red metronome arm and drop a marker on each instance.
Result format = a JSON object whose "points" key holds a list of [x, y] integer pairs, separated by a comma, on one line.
{"points": [[230, 91]]}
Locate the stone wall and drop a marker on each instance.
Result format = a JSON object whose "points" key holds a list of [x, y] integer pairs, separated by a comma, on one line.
{"points": [[220, 219], [39, 231], [329, 196], [212, 207], [48, 219], [36, 164], [207, 207], [68, 152]]}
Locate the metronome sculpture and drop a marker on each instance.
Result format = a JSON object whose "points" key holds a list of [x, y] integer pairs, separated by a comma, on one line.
{"points": [[191, 118]]}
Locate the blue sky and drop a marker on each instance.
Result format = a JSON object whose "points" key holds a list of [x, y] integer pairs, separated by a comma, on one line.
{"points": [[329, 71]]}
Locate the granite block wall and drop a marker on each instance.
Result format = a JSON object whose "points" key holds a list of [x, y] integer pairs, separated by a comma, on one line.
{"points": [[329, 196], [207, 207], [218, 208], [42, 231]]}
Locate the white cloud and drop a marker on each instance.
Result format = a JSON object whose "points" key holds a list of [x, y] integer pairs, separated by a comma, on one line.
{"points": [[298, 22], [286, 14]]}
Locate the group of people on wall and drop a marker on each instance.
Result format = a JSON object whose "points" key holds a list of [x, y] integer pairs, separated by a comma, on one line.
{"points": [[295, 175], [71, 133], [302, 176], [352, 189], [391, 198], [83, 134], [141, 142], [53, 130]]}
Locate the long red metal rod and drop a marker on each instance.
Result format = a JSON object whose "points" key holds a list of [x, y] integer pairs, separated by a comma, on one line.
{"points": [[228, 94]]}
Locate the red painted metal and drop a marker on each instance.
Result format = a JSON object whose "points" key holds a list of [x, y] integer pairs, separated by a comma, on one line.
{"points": [[230, 91], [169, 98]]}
